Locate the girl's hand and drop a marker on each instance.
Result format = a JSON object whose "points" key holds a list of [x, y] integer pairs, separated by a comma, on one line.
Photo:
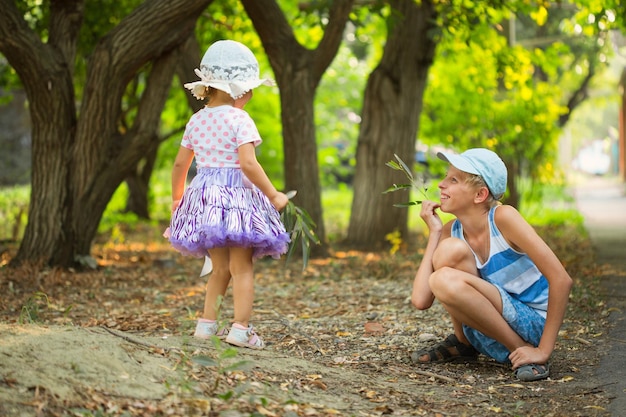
{"points": [[279, 200], [175, 205], [430, 216]]}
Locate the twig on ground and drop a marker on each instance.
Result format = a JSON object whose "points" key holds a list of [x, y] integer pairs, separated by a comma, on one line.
{"points": [[583, 341], [285, 322], [423, 373], [139, 342], [434, 375]]}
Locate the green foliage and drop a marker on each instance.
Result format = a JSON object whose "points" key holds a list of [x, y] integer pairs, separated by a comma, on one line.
{"points": [[335, 203], [337, 119], [484, 94], [600, 15], [13, 212], [549, 204], [223, 365], [415, 184], [115, 214], [301, 229], [227, 20], [30, 312]]}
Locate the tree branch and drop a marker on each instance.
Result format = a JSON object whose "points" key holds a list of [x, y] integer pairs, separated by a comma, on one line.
{"points": [[282, 47], [66, 18], [26, 53]]}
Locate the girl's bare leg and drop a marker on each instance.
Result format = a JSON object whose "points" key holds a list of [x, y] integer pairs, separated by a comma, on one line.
{"points": [[217, 283], [242, 269]]}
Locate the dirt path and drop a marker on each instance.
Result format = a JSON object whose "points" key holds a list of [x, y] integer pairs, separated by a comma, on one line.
{"points": [[116, 342]]}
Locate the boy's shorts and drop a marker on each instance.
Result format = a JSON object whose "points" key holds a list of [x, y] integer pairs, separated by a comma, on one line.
{"points": [[524, 320]]}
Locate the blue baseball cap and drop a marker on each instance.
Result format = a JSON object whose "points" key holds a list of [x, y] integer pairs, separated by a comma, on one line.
{"points": [[482, 162]]}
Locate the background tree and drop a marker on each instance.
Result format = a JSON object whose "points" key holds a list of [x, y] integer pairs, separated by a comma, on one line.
{"points": [[391, 108], [80, 157], [138, 179], [298, 70], [520, 122], [221, 20], [512, 90]]}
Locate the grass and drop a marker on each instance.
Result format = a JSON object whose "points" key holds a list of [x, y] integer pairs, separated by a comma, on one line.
{"points": [[554, 207], [13, 212]]}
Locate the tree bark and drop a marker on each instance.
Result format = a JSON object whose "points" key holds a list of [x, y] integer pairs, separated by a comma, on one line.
{"points": [[79, 162], [138, 181], [47, 80], [298, 71], [390, 119]]}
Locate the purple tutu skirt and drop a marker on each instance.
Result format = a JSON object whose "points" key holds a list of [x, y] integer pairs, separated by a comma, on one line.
{"points": [[222, 208]]}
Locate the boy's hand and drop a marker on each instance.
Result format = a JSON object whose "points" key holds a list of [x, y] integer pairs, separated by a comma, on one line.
{"points": [[526, 355], [430, 216]]}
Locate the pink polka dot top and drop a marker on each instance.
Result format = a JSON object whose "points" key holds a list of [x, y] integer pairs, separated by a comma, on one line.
{"points": [[215, 133]]}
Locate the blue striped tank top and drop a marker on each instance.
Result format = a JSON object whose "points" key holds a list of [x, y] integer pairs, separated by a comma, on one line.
{"points": [[509, 269]]}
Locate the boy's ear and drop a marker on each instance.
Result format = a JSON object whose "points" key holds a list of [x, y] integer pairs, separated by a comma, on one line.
{"points": [[481, 195]]}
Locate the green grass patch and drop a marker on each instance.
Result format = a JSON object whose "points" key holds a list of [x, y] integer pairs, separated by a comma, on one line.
{"points": [[554, 207], [13, 212]]}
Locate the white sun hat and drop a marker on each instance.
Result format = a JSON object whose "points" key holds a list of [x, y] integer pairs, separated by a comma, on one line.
{"points": [[228, 66]]}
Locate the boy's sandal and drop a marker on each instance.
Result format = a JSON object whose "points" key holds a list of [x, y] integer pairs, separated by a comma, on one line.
{"points": [[532, 372], [450, 350]]}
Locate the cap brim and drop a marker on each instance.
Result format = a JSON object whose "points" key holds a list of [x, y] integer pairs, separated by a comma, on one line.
{"points": [[458, 162]]}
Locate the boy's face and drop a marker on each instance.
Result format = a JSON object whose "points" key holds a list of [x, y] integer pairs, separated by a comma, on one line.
{"points": [[455, 191]]}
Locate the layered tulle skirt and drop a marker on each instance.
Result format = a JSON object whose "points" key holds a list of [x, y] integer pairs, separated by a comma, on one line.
{"points": [[222, 208]]}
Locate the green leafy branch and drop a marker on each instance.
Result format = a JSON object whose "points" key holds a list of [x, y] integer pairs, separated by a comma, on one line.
{"points": [[222, 364], [301, 228], [416, 184]]}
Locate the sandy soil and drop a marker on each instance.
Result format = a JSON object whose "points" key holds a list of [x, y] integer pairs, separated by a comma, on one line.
{"points": [[117, 342]]}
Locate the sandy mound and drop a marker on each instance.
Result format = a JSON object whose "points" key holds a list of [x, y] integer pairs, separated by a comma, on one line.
{"points": [[67, 361]]}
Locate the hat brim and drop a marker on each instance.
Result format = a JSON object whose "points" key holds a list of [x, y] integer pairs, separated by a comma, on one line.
{"points": [[459, 162], [235, 89]]}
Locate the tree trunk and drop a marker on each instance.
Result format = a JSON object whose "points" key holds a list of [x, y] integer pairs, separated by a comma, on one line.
{"points": [[79, 163], [48, 84], [298, 72], [138, 181], [390, 118]]}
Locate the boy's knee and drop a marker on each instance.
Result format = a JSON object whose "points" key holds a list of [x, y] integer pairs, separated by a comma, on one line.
{"points": [[446, 283], [452, 252]]}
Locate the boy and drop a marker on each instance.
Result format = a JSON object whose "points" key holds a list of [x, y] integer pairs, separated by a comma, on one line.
{"points": [[504, 288]]}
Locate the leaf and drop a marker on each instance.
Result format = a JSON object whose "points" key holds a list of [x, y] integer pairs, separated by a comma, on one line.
{"points": [[415, 184], [409, 204], [228, 353], [394, 165], [300, 226], [239, 366], [397, 187], [204, 360], [404, 166]]}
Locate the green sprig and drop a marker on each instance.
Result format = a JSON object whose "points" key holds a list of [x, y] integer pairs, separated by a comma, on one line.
{"points": [[414, 183], [301, 228]]}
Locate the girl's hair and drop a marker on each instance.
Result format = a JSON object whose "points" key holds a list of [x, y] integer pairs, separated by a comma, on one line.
{"points": [[208, 91], [478, 181]]}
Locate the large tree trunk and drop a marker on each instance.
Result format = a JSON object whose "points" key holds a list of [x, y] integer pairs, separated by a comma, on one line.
{"points": [[298, 72], [47, 80], [79, 163], [391, 110]]}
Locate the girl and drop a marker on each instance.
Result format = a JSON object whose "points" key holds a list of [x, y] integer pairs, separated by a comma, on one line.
{"points": [[504, 288], [230, 208]]}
